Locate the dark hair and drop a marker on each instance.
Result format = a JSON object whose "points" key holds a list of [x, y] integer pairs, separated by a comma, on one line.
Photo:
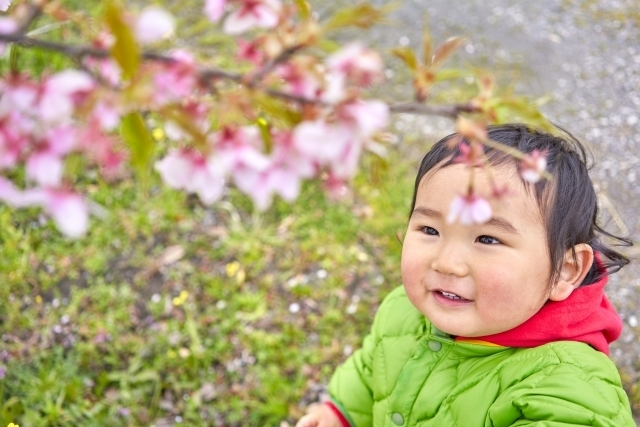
{"points": [[567, 202]]}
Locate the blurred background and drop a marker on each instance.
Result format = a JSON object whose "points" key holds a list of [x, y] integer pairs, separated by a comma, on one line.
{"points": [[171, 313]]}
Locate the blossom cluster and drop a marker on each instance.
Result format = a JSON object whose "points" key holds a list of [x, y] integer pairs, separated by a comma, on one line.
{"points": [[322, 129], [73, 112]]}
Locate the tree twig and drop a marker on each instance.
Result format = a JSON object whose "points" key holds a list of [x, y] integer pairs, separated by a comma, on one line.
{"points": [[34, 13], [452, 111], [206, 74], [272, 64]]}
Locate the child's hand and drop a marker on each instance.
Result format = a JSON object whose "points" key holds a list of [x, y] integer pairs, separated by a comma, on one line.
{"points": [[319, 416]]}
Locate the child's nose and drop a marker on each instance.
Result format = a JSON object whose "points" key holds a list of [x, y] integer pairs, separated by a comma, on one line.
{"points": [[450, 260]]}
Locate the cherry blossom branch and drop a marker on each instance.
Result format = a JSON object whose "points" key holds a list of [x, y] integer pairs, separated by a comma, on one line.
{"points": [[452, 111], [79, 51], [34, 13], [272, 64]]}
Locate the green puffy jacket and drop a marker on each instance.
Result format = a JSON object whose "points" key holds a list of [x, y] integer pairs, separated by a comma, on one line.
{"points": [[408, 373]]}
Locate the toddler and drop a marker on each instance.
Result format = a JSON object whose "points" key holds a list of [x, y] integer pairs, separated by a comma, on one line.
{"points": [[503, 323]]}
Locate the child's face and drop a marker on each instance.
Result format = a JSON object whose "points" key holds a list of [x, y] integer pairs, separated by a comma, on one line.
{"points": [[480, 279]]}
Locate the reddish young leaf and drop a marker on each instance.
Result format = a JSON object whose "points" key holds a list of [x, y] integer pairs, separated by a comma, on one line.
{"points": [[446, 49]]}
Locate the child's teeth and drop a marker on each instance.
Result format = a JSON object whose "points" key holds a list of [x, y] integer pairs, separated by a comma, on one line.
{"points": [[450, 295]]}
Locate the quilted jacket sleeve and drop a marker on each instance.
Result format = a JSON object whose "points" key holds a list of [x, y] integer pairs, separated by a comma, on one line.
{"points": [[350, 386], [570, 393]]}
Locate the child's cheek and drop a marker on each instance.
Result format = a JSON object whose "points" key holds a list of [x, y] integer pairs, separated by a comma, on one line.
{"points": [[506, 300]]}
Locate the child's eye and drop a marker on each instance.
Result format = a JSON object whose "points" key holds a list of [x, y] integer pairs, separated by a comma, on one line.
{"points": [[488, 240], [430, 231]]}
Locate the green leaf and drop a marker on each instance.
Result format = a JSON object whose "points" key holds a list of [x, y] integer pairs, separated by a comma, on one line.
{"points": [[278, 111], [145, 376], [329, 46], [265, 132], [125, 49], [138, 139], [450, 74], [303, 8], [11, 409], [361, 16], [407, 56], [520, 109]]}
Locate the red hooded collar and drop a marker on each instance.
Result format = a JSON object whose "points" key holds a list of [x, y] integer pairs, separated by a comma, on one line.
{"points": [[585, 316]]}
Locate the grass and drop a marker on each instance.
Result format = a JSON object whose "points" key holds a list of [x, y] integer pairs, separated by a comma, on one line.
{"points": [[169, 310]]}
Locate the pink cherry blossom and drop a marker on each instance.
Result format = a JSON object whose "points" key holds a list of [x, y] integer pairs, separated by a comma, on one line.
{"points": [[18, 93], [61, 140], [198, 115], [45, 168], [369, 116], [249, 51], [45, 165], [101, 148], [335, 89], [238, 148], [60, 94], [283, 176], [175, 168], [9, 194], [8, 154], [361, 65], [197, 112], [261, 186], [286, 154], [154, 24], [533, 165], [69, 212], [17, 198], [214, 9], [188, 170], [253, 13], [4, 5], [69, 82], [299, 81], [106, 114], [12, 140], [346, 165], [7, 25], [324, 142], [469, 209], [175, 80], [470, 155], [337, 188], [106, 68]]}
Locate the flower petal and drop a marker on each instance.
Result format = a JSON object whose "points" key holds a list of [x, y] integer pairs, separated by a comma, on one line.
{"points": [[154, 24], [45, 168], [214, 9], [69, 212], [480, 210], [175, 169], [69, 81]]}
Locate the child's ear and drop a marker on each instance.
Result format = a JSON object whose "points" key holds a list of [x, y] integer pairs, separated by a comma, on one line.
{"points": [[573, 271]]}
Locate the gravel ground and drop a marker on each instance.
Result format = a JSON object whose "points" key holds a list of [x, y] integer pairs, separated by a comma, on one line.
{"points": [[584, 55]]}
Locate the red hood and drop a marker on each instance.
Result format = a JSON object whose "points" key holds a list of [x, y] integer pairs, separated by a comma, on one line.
{"points": [[586, 316]]}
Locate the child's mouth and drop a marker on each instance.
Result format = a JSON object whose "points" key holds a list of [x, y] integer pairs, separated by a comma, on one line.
{"points": [[450, 295], [449, 298]]}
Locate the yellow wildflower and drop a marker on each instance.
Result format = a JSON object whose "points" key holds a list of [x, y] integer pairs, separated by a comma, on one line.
{"points": [[180, 299]]}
